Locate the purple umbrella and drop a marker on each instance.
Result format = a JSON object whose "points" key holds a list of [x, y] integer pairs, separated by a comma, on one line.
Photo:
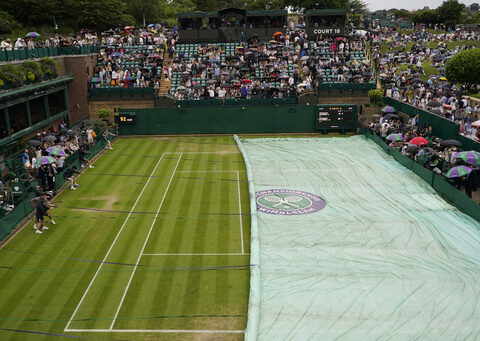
{"points": [[55, 151], [457, 172], [472, 157], [115, 54], [388, 108], [44, 160], [395, 137]]}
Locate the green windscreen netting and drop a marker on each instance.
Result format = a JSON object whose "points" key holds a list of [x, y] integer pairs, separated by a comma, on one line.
{"points": [[350, 245]]}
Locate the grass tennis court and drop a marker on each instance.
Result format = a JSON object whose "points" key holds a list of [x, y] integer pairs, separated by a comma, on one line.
{"points": [[153, 244]]}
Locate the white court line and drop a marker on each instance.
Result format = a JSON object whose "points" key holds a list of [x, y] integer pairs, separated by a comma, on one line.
{"points": [[112, 245], [210, 171], [197, 331], [219, 153], [195, 254], [240, 211], [145, 244]]}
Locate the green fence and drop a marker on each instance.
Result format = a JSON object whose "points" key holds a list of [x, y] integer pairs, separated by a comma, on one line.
{"points": [[438, 182], [40, 52], [24, 208], [221, 120], [346, 86], [443, 128]]}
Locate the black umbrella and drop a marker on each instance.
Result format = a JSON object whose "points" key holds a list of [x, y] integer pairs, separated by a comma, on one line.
{"points": [[449, 143], [392, 116], [437, 112], [411, 149], [49, 138], [458, 92], [34, 143], [433, 104]]}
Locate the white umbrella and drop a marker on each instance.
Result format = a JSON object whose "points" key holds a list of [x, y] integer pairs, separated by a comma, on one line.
{"points": [[476, 123]]}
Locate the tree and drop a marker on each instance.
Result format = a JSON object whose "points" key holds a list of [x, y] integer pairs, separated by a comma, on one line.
{"points": [[475, 7], [464, 68], [98, 14], [426, 16], [144, 10], [451, 12]]}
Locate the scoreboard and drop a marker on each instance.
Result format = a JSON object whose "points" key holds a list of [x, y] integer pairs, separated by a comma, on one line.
{"points": [[336, 117], [125, 118]]}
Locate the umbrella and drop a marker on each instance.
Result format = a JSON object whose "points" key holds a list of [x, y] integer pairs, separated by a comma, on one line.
{"points": [[273, 42], [392, 116], [34, 143], [55, 151], [419, 141], [436, 112], [302, 26], [395, 137], [443, 78], [130, 78], [44, 160], [339, 39], [115, 54], [304, 58], [449, 143], [128, 27], [411, 149], [417, 74], [472, 157], [49, 138], [476, 123], [143, 34], [32, 35], [388, 108], [278, 34], [458, 171], [433, 104]]}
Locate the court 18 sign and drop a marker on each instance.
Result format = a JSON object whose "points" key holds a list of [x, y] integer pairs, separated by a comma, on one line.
{"points": [[288, 202]]}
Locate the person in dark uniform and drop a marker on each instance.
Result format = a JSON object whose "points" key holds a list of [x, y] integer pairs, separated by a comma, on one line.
{"points": [[82, 155], [42, 205], [68, 176]]}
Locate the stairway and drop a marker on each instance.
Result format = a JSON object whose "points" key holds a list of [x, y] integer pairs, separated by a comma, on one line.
{"points": [[165, 84]]}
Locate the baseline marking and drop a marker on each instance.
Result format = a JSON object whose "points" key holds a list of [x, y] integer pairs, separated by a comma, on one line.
{"points": [[112, 245], [145, 244], [210, 171], [240, 210], [195, 254], [198, 331]]}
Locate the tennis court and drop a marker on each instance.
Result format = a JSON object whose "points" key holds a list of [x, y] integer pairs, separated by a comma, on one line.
{"points": [[155, 240]]}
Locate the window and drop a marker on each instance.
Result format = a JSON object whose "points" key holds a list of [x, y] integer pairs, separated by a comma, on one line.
{"points": [[37, 110], [56, 103], [18, 117]]}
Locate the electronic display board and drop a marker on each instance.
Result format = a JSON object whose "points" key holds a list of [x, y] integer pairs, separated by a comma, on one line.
{"points": [[336, 117]]}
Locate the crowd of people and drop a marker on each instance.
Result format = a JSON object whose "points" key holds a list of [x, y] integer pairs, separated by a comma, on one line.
{"points": [[435, 154], [286, 66], [401, 71], [133, 57], [84, 38], [46, 155]]}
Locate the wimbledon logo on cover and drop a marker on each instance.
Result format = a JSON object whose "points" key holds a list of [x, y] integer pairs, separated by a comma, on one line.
{"points": [[288, 202]]}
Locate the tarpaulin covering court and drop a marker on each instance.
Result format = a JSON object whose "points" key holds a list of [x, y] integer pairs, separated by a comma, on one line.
{"points": [[385, 259]]}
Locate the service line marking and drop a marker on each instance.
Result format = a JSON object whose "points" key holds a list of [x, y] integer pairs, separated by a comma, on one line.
{"points": [[112, 245], [145, 243], [197, 331], [240, 211]]}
